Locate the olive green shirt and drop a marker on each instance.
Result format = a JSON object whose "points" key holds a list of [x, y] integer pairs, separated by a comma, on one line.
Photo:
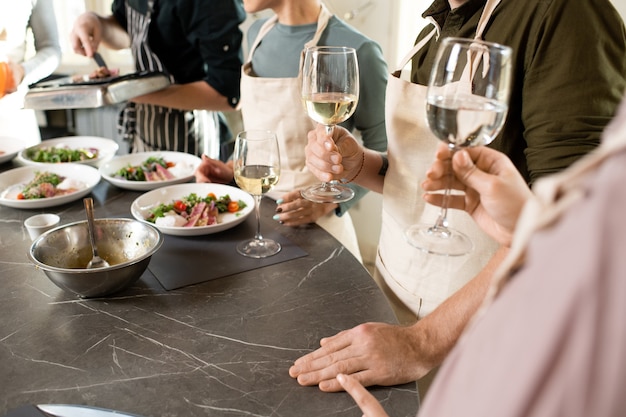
{"points": [[569, 73]]}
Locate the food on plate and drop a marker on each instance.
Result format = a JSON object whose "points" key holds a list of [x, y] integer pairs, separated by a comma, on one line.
{"points": [[2, 152], [98, 74], [48, 184], [152, 169], [60, 153], [193, 210], [104, 72]]}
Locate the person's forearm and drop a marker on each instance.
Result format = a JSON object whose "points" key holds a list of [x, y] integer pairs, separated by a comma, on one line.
{"points": [[438, 332], [370, 176], [42, 64], [193, 96], [46, 41], [113, 35]]}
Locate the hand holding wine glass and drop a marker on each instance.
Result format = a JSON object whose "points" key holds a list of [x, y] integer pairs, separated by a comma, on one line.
{"points": [[256, 165], [330, 92], [467, 103]]}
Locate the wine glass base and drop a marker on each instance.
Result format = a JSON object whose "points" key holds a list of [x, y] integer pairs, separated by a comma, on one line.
{"points": [[439, 240], [328, 193], [258, 248]]}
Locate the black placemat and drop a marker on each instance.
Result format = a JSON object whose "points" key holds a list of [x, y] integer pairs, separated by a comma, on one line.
{"points": [[188, 260]]}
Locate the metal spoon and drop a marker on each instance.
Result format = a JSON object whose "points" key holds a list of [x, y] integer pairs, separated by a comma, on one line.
{"points": [[96, 261]]}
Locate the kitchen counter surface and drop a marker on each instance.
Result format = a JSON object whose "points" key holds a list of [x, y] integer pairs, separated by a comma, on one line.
{"points": [[217, 348]]}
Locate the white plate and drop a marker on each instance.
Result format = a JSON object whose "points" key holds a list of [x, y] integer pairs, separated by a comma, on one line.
{"points": [[11, 147], [12, 181], [142, 205], [106, 149], [186, 164]]}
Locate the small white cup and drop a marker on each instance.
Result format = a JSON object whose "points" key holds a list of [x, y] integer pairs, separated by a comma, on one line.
{"points": [[41, 223]]}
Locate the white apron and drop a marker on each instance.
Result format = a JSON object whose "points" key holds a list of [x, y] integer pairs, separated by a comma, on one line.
{"points": [[276, 104], [419, 280]]}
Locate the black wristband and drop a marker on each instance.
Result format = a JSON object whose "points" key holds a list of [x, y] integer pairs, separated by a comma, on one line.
{"points": [[385, 165]]}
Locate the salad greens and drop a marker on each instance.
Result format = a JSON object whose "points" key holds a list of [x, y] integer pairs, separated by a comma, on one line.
{"points": [[42, 186], [54, 154], [185, 206], [152, 169]]}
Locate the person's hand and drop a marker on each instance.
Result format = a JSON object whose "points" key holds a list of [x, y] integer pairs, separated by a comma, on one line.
{"points": [[366, 401], [293, 210], [336, 158], [214, 170], [495, 192], [86, 34], [373, 353]]}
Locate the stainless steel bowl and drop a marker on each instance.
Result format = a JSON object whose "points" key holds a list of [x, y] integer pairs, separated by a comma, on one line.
{"points": [[63, 253]]}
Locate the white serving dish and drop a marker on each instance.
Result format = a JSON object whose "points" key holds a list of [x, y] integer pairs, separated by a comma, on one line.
{"points": [[186, 165], [12, 182], [106, 149], [10, 147], [141, 207]]}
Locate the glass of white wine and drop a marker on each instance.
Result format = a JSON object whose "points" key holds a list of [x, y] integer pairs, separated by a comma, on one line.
{"points": [[466, 105], [330, 92], [256, 165]]}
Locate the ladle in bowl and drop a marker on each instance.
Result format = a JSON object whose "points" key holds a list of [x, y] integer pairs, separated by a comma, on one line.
{"points": [[96, 261]]}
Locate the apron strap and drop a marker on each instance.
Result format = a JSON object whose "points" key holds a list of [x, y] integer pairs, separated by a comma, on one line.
{"points": [[418, 46], [490, 6], [322, 23], [269, 24]]}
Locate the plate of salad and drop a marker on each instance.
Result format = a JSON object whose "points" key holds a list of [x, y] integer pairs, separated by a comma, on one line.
{"points": [[34, 187], [144, 171], [87, 150], [193, 209]]}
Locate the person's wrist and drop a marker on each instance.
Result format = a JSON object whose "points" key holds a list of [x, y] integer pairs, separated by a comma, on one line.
{"points": [[359, 168], [427, 352]]}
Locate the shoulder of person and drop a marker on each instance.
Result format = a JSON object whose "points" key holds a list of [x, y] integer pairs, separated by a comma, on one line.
{"points": [[255, 28], [339, 32]]}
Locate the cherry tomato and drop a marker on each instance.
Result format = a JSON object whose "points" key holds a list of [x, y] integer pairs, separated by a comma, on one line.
{"points": [[170, 164], [233, 207], [20, 196], [179, 206], [212, 196]]}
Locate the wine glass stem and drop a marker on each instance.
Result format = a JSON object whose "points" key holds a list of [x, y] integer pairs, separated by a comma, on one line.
{"points": [[329, 132], [257, 211], [442, 221]]}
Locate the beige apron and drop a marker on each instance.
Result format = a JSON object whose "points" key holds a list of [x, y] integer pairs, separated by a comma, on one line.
{"points": [[276, 104], [419, 280]]}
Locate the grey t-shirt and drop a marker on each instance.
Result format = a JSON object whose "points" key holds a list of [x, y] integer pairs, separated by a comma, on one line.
{"points": [[278, 56]]}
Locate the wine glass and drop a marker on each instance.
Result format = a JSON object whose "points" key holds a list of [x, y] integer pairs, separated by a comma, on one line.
{"points": [[466, 105], [256, 165], [330, 92]]}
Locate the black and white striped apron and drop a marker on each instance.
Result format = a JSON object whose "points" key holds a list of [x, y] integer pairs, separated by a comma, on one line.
{"points": [[156, 128]]}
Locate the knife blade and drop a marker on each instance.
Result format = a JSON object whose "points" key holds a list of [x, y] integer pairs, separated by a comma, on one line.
{"points": [[75, 410], [99, 60]]}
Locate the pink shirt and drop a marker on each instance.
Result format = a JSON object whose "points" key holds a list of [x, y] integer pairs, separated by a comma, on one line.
{"points": [[553, 341]]}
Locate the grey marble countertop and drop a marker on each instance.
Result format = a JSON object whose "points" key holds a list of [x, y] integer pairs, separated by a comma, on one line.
{"points": [[218, 348]]}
